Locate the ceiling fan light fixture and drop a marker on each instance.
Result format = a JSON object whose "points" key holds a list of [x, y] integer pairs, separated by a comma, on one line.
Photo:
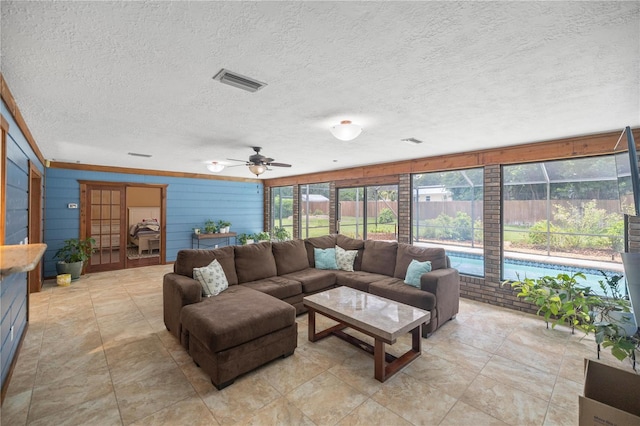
{"points": [[257, 169], [346, 131], [215, 167]]}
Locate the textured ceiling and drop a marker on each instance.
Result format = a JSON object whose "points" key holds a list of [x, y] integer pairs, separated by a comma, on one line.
{"points": [[96, 80]]}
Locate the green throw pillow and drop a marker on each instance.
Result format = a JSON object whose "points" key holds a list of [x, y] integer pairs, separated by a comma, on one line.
{"points": [[415, 270], [325, 258], [212, 278]]}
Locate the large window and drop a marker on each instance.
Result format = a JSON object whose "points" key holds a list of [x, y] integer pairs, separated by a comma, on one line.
{"points": [[447, 211], [314, 210], [375, 219], [561, 216], [282, 208]]}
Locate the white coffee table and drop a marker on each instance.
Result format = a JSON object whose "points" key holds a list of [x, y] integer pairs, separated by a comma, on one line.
{"points": [[380, 318]]}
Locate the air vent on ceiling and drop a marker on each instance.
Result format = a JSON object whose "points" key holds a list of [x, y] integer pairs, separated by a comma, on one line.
{"points": [[240, 81], [135, 154], [412, 141]]}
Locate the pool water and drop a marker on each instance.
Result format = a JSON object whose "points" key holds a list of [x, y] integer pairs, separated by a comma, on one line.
{"points": [[470, 264]]}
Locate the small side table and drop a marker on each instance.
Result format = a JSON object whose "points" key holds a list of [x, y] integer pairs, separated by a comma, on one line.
{"points": [[197, 238], [154, 245]]}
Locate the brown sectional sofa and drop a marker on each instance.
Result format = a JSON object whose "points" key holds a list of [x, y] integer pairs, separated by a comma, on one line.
{"points": [[242, 328]]}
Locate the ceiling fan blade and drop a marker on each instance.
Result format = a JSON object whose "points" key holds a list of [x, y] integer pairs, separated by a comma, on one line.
{"points": [[267, 160], [233, 159], [279, 164]]}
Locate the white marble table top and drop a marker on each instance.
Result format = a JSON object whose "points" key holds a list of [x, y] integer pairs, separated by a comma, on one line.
{"points": [[378, 316], [20, 258]]}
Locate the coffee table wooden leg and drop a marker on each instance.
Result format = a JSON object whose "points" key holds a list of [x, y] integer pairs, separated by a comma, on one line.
{"points": [[379, 361], [416, 339], [312, 325]]}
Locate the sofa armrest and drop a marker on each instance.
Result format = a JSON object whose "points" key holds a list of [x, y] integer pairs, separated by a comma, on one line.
{"points": [[178, 291], [445, 285]]}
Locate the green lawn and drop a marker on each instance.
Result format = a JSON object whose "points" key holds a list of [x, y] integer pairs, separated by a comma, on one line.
{"points": [[320, 226]]}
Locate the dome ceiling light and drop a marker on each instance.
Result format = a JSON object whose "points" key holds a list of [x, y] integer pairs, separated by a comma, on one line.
{"points": [[346, 130], [215, 167]]}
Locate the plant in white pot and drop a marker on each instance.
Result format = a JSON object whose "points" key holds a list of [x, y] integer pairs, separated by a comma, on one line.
{"points": [[72, 256], [224, 226], [615, 307], [631, 262]]}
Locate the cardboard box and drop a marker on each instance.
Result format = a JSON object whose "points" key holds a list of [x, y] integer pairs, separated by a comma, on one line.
{"points": [[611, 396]]}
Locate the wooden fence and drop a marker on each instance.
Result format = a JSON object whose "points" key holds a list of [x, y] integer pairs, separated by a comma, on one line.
{"points": [[519, 212]]}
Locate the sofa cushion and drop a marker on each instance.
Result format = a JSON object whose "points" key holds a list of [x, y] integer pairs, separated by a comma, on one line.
{"points": [[186, 260], [211, 278], [232, 319], [325, 258], [326, 241], [313, 280], [345, 258], [359, 280], [415, 271], [290, 256], [396, 289], [407, 253], [352, 244], [279, 287], [379, 257], [255, 262]]}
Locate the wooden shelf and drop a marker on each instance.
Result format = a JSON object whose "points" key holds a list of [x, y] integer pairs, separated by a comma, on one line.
{"points": [[20, 258]]}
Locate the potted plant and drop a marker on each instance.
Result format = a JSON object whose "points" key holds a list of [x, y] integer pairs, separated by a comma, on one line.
{"points": [[210, 227], [280, 234], [245, 239], [615, 307], [262, 236], [564, 299], [72, 256], [223, 226], [561, 297]]}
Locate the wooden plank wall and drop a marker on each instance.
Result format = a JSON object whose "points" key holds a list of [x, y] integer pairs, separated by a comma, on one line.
{"points": [[13, 288], [190, 202]]}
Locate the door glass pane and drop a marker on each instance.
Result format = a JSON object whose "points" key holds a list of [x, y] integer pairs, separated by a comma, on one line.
{"points": [[382, 212], [314, 210], [351, 212], [105, 227], [282, 209]]}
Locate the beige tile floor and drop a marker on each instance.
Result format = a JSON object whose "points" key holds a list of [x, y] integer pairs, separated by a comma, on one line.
{"points": [[97, 353]]}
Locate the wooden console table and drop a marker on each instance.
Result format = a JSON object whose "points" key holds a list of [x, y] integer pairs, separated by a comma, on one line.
{"points": [[226, 237]]}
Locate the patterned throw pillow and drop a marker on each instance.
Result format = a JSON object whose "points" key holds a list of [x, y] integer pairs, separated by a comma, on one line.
{"points": [[415, 270], [325, 258], [212, 278], [345, 258]]}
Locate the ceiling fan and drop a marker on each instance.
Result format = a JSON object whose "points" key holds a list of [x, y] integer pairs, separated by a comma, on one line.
{"points": [[258, 163]]}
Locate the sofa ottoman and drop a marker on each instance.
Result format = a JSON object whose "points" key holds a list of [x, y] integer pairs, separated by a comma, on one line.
{"points": [[227, 336]]}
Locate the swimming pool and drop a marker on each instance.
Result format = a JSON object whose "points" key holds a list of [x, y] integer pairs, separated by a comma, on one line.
{"points": [[472, 264]]}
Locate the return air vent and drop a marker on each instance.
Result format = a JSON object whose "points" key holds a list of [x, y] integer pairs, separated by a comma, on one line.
{"points": [[239, 81], [412, 141], [136, 154]]}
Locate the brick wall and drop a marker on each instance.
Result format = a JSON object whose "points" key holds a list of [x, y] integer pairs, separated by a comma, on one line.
{"points": [[489, 289]]}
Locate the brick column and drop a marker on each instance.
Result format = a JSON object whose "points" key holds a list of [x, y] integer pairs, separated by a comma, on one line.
{"points": [[333, 207], [633, 234], [404, 208], [296, 211], [267, 209]]}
